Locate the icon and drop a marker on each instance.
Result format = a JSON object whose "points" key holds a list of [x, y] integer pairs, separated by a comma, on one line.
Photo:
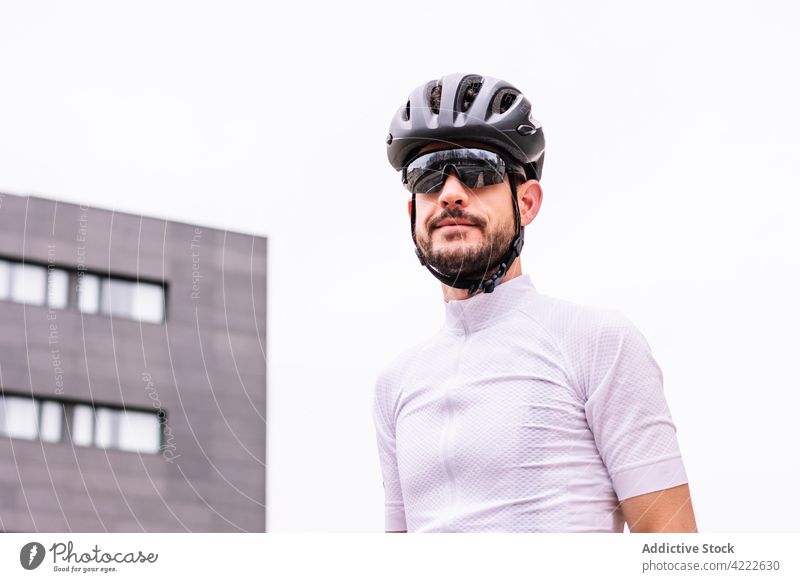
{"points": [[31, 555]]}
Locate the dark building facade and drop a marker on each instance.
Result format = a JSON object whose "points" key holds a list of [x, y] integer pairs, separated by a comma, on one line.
{"points": [[132, 372]]}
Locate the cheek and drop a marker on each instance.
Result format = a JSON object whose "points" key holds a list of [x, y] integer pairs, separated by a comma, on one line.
{"points": [[424, 212], [426, 205], [500, 209]]}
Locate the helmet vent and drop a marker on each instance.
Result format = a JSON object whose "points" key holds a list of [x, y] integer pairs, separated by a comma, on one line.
{"points": [[407, 115], [468, 91], [435, 99], [503, 100]]}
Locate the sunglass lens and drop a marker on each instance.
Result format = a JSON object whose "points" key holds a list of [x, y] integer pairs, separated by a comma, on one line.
{"points": [[479, 176], [475, 168]]}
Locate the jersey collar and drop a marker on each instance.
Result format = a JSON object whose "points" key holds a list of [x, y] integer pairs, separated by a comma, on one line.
{"points": [[482, 310]]}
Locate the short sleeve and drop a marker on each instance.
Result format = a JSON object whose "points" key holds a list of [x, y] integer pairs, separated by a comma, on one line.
{"points": [[628, 414], [383, 414]]}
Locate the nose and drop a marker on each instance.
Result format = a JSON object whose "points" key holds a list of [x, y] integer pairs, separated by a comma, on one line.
{"points": [[453, 193]]}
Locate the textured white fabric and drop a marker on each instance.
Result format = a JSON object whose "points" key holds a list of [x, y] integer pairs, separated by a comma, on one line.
{"points": [[524, 413]]}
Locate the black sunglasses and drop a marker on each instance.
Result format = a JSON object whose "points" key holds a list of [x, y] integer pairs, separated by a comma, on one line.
{"points": [[475, 168]]}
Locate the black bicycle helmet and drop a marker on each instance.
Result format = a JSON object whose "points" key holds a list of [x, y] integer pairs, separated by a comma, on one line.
{"points": [[462, 108], [468, 107]]}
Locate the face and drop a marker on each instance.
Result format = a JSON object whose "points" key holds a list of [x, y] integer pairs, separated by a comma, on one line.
{"points": [[464, 231]]}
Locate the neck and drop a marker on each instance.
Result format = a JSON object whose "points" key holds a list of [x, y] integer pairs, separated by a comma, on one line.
{"points": [[451, 293]]}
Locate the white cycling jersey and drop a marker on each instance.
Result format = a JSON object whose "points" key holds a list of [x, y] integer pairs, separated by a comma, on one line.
{"points": [[524, 413]]}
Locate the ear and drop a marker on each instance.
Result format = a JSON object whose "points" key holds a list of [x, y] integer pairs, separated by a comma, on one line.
{"points": [[409, 207], [529, 196]]}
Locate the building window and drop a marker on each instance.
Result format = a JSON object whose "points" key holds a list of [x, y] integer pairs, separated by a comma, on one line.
{"points": [[28, 283], [23, 417], [121, 298], [19, 417], [82, 425], [88, 292], [57, 288], [132, 299], [114, 296], [115, 428], [50, 421], [5, 280], [128, 430], [89, 426]]}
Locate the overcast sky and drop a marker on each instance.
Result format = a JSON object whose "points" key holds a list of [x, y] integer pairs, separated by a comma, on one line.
{"points": [[670, 194]]}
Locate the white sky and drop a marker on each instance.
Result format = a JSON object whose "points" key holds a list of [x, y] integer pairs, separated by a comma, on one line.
{"points": [[670, 194]]}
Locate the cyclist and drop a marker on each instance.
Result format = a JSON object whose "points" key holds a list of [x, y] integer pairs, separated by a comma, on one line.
{"points": [[524, 413]]}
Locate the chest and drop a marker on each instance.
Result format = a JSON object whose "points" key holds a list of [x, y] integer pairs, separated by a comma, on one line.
{"points": [[487, 401]]}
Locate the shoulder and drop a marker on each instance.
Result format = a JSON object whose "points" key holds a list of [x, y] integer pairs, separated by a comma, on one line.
{"points": [[393, 373], [575, 325], [590, 338]]}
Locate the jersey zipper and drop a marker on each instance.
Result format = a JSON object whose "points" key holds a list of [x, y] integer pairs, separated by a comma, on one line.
{"points": [[448, 437]]}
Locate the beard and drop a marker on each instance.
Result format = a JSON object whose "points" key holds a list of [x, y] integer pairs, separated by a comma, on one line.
{"points": [[468, 260]]}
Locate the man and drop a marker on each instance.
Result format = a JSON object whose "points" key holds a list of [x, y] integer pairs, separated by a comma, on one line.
{"points": [[524, 413]]}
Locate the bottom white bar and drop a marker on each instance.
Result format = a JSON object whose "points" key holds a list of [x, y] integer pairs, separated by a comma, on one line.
{"points": [[407, 558]]}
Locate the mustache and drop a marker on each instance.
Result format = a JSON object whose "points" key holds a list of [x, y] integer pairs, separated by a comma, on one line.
{"points": [[457, 214]]}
